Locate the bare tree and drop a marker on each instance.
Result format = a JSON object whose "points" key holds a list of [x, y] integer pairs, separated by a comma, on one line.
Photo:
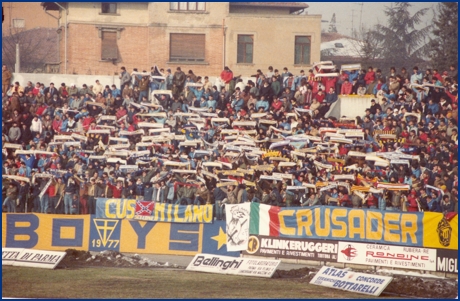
{"points": [[37, 47]]}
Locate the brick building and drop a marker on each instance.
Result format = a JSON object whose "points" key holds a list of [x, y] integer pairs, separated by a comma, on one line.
{"points": [[202, 36], [19, 16], [34, 30]]}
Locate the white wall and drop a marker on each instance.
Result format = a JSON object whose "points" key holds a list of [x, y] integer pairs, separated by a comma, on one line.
{"points": [[68, 79], [78, 80], [350, 106]]}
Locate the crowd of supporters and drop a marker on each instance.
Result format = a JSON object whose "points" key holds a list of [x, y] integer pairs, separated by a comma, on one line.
{"points": [[270, 139]]}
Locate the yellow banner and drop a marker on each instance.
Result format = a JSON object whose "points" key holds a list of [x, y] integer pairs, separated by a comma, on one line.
{"points": [[161, 238], [438, 232], [45, 231]]}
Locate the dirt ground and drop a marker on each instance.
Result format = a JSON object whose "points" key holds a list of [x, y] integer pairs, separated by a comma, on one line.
{"points": [[402, 285]]}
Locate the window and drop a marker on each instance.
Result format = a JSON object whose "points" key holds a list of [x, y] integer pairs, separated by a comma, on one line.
{"points": [[19, 23], [187, 47], [302, 50], [338, 45], [109, 49], [108, 8], [188, 6], [245, 49]]}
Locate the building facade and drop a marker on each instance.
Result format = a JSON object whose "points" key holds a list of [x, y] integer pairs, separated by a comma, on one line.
{"points": [[20, 16], [98, 38]]}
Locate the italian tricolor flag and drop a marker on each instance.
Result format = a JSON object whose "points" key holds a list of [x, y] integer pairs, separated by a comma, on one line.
{"points": [[264, 220]]}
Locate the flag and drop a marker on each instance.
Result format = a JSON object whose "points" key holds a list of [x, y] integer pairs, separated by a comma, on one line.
{"points": [[144, 208], [264, 220], [237, 226]]}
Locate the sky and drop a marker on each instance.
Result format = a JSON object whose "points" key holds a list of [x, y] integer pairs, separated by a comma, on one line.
{"points": [[372, 13]]}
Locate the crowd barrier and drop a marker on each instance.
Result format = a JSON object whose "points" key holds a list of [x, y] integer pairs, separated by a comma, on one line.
{"points": [[86, 232], [416, 240], [417, 229]]}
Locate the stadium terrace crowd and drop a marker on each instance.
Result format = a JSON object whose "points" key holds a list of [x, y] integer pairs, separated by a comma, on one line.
{"points": [[178, 138]]}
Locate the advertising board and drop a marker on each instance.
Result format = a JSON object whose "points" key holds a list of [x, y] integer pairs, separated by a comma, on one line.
{"points": [[293, 248], [38, 259], [387, 255], [233, 266], [351, 281]]}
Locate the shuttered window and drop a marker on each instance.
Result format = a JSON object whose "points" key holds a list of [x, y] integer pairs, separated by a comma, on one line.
{"points": [[188, 6], [187, 47], [19, 23], [108, 8], [109, 49], [302, 50], [245, 49]]}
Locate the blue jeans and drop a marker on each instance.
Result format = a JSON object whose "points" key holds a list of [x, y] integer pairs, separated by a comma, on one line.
{"points": [[184, 201], [37, 204], [198, 201], [219, 210], [67, 203], [393, 209], [10, 204], [142, 94], [44, 203]]}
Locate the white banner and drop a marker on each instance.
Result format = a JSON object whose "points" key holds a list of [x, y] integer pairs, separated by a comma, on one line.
{"points": [[9, 255], [38, 259], [351, 281], [233, 266], [237, 226], [387, 255]]}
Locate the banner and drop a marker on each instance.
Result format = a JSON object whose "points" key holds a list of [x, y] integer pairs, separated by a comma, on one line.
{"points": [[87, 232], [293, 248], [144, 209], [325, 222], [447, 261], [237, 226], [45, 231], [351, 281], [9, 255], [115, 208], [233, 266], [38, 259], [387, 256], [439, 233], [104, 234], [182, 214]]}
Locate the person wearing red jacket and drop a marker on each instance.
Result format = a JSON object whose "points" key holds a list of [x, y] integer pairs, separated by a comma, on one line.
{"points": [[116, 189], [226, 75], [57, 124], [344, 200], [371, 201], [320, 96], [346, 88], [369, 78], [330, 82], [412, 202], [86, 122], [277, 104]]}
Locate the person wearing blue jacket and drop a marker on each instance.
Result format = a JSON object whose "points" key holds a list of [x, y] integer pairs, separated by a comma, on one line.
{"points": [[237, 104], [434, 107], [28, 160], [148, 191], [211, 103], [433, 203], [381, 85], [352, 75], [262, 103]]}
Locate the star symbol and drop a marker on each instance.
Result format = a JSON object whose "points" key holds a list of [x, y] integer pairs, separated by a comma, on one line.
{"points": [[221, 238]]}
